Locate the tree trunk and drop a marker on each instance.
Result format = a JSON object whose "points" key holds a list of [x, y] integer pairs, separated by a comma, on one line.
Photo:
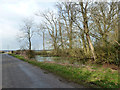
{"points": [[61, 39], [88, 48], [71, 31], [84, 46], [29, 44], [43, 41], [70, 37], [29, 39], [88, 39], [85, 25], [91, 46]]}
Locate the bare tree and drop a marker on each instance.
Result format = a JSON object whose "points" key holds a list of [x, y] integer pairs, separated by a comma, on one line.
{"points": [[51, 25], [41, 32], [83, 24], [27, 31], [67, 14], [105, 19]]}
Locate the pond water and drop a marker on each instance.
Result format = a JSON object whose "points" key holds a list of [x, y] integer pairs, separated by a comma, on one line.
{"points": [[59, 60]]}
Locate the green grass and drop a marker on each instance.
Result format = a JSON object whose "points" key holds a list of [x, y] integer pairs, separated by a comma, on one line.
{"points": [[93, 77]]}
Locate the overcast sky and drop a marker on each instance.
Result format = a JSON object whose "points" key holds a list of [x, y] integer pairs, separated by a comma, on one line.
{"points": [[12, 12]]}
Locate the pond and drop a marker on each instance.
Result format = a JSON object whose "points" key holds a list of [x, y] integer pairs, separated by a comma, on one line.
{"points": [[64, 60]]}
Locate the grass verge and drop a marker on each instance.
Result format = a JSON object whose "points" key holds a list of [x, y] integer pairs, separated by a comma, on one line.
{"points": [[90, 77]]}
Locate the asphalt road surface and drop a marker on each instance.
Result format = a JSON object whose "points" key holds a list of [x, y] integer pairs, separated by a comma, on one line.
{"points": [[20, 74]]}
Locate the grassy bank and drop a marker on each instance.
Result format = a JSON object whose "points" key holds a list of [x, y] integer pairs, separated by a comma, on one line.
{"points": [[93, 77]]}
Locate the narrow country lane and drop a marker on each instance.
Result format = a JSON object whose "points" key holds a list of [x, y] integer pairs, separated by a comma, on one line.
{"points": [[20, 74]]}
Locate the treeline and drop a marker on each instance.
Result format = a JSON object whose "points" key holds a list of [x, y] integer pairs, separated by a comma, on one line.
{"points": [[81, 29]]}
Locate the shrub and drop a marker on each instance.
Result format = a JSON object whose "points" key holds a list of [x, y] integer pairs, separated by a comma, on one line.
{"points": [[41, 53], [30, 54], [17, 51], [107, 54], [3, 52]]}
